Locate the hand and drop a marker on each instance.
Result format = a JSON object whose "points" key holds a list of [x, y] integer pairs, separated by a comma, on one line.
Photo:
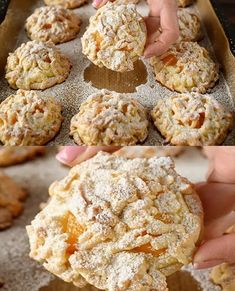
{"points": [[73, 155], [218, 199], [163, 13]]}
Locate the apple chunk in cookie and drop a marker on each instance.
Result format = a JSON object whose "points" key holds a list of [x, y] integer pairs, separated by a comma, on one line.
{"points": [[118, 224]]}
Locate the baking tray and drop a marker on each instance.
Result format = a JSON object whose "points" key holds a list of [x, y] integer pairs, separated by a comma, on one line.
{"points": [[86, 78], [21, 273]]}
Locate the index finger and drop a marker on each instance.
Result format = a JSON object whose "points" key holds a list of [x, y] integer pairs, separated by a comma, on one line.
{"points": [[221, 164], [170, 29]]}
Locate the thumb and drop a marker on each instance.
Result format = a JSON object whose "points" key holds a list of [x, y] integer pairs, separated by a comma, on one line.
{"points": [[215, 252], [99, 3], [73, 155]]}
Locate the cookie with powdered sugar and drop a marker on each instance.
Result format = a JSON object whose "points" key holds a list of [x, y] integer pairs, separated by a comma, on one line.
{"points": [[15, 155], [192, 119], [189, 26], [36, 65], [70, 4], [115, 37], [109, 118], [29, 119], [11, 200], [118, 224], [186, 67], [55, 24]]}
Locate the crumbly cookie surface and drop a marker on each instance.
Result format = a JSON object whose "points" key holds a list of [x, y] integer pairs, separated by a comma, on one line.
{"points": [[186, 67], [29, 118], [109, 118], [115, 37], [184, 3], [147, 152], [192, 119], [11, 198], [36, 65], [14, 155], [189, 25], [118, 224], [70, 4], [224, 275], [55, 23]]}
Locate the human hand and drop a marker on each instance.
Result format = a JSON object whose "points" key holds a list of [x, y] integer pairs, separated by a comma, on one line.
{"points": [[73, 155], [163, 14], [218, 199]]}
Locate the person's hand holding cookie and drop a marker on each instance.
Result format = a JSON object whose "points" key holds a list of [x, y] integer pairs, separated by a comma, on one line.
{"points": [[163, 13], [218, 198]]}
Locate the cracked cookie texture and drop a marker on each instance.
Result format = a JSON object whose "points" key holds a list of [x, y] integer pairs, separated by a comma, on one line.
{"points": [[29, 118], [36, 65], [70, 4], [55, 23], [109, 118], [189, 26], [192, 119], [118, 224], [186, 67], [115, 37]]}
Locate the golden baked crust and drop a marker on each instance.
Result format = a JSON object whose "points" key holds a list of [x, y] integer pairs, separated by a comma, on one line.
{"points": [[29, 118], [186, 67], [55, 23], [132, 152], [36, 65], [184, 3], [189, 25], [70, 4], [11, 197], [224, 275], [118, 224], [14, 155], [115, 37], [109, 118], [192, 119]]}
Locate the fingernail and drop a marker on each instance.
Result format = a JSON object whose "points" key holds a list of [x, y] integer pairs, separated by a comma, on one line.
{"points": [[207, 264], [147, 56], [95, 3], [70, 153]]}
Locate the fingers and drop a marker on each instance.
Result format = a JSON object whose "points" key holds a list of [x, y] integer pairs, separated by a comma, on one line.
{"points": [[221, 164], [73, 155], [216, 251], [99, 3], [217, 199], [169, 26]]}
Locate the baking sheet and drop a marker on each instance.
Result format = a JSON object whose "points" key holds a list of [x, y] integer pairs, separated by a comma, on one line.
{"points": [[76, 89], [21, 273]]}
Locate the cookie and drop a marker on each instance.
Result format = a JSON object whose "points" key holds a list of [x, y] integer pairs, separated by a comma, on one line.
{"points": [[192, 119], [70, 4], [11, 198], [115, 37], [149, 151], [186, 67], [15, 155], [36, 65], [29, 118], [189, 26], [55, 23], [109, 118], [184, 3], [224, 275], [118, 224]]}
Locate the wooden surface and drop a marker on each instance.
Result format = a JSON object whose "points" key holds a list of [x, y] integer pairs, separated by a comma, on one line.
{"points": [[228, 7]]}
